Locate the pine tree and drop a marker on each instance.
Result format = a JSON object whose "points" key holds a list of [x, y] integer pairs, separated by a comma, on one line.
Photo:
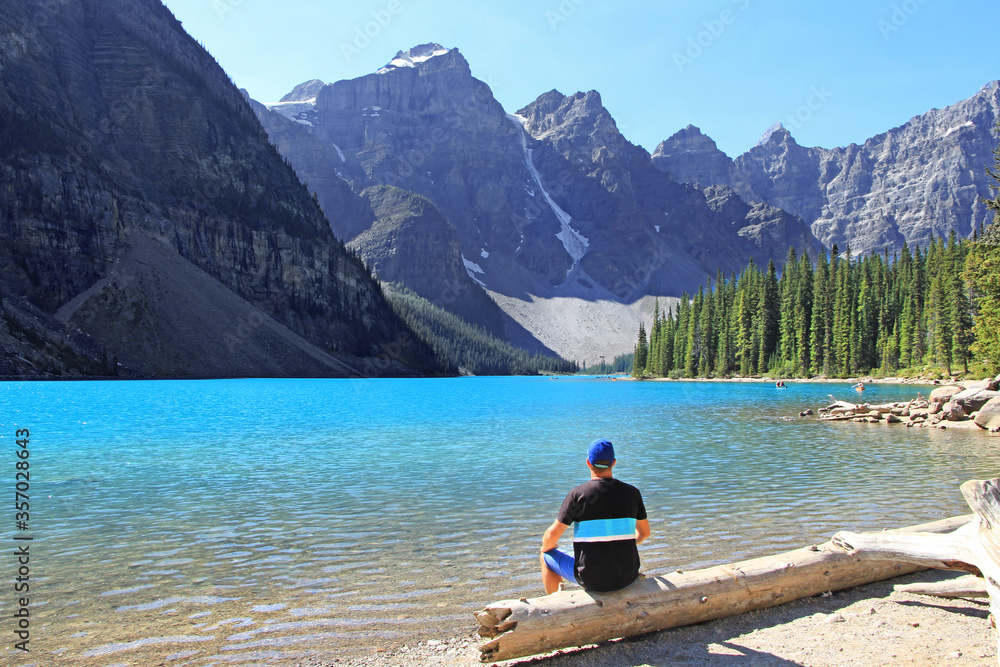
{"points": [[961, 321], [744, 311], [982, 271], [822, 317], [654, 362], [667, 348], [770, 310], [724, 325], [863, 345], [706, 324], [803, 316], [938, 324], [641, 352], [843, 315], [788, 291], [681, 333], [694, 337]]}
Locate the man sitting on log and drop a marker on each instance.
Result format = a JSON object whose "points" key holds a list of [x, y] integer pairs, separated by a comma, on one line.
{"points": [[608, 519]]}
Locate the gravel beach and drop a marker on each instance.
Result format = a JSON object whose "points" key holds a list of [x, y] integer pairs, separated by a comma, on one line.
{"points": [[867, 625]]}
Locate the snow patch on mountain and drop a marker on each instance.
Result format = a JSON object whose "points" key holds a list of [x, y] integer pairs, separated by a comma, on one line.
{"points": [[300, 111], [472, 269], [576, 244], [959, 127], [413, 57]]}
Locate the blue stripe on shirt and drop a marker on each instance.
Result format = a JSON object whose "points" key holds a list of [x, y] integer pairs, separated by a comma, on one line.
{"points": [[604, 530]]}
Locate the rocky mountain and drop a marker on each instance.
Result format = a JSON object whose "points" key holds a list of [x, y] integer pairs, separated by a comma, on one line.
{"points": [[568, 227], [922, 178], [147, 225]]}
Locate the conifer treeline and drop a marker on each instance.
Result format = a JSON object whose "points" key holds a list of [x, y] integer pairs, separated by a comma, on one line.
{"points": [[459, 344], [836, 317]]}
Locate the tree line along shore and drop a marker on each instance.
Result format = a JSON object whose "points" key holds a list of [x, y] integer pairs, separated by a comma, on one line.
{"points": [[930, 312]]}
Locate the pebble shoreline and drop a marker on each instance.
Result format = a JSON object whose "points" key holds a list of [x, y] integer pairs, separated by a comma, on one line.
{"points": [[866, 625]]}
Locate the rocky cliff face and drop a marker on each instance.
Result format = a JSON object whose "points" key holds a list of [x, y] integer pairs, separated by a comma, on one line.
{"points": [[623, 203], [550, 203], [925, 177], [137, 184], [411, 243]]}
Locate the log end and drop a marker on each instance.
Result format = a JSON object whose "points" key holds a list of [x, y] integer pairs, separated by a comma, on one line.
{"points": [[492, 616]]}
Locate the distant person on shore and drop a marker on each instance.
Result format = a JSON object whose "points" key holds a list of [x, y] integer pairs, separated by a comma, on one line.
{"points": [[608, 519]]}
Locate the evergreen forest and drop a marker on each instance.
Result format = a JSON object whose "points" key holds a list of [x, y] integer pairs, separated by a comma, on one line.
{"points": [[919, 312], [465, 347]]}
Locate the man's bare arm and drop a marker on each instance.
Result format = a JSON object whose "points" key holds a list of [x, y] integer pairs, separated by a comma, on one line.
{"points": [[641, 531], [552, 534]]}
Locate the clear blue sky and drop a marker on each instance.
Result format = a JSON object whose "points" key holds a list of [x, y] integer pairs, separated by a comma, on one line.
{"points": [[834, 72]]}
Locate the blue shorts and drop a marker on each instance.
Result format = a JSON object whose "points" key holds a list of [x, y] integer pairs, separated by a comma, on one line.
{"points": [[561, 563]]}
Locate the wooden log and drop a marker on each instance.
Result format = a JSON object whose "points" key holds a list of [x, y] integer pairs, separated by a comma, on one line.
{"points": [[839, 417], [974, 547], [841, 406], [518, 628], [969, 586], [943, 552]]}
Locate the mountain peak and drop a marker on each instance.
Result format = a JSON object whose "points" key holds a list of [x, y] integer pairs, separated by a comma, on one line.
{"points": [[688, 140], [776, 129], [304, 92], [415, 56]]}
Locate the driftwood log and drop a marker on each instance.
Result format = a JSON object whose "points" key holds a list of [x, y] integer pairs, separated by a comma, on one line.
{"points": [[518, 628], [969, 586], [973, 548]]}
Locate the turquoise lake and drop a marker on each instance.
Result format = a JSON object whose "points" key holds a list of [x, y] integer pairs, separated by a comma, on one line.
{"points": [[269, 521]]}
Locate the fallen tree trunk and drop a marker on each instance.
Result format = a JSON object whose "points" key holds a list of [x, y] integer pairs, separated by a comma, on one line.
{"points": [[839, 418], [969, 586], [517, 628], [974, 548]]}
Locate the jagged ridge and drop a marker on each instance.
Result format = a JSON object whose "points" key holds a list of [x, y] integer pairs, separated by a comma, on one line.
{"points": [[122, 135]]}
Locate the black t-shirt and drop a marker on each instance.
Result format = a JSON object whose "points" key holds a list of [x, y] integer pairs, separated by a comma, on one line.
{"points": [[603, 513]]}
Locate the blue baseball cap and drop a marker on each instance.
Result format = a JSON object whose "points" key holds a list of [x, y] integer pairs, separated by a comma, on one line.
{"points": [[601, 453]]}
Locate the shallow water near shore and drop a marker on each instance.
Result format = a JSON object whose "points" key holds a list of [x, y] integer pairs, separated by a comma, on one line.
{"points": [[267, 521]]}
